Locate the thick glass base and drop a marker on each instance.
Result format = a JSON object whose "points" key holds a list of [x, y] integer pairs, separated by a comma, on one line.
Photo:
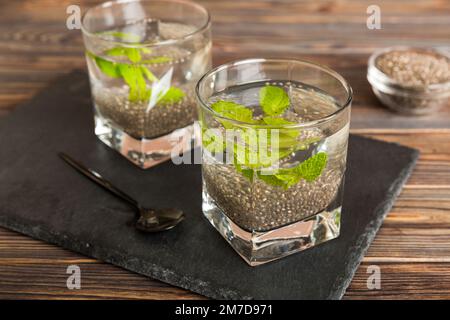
{"points": [[143, 152], [261, 247]]}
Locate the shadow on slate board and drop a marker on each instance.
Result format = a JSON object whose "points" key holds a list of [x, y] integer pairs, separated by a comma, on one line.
{"points": [[44, 198]]}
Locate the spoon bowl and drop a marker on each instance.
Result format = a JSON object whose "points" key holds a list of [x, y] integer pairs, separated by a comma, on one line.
{"points": [[150, 220]]}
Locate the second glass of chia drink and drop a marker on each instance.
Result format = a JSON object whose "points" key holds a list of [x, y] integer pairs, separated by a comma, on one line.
{"points": [[144, 58], [274, 138]]}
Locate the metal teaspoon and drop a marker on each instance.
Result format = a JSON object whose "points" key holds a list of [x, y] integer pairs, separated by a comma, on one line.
{"points": [[150, 220]]}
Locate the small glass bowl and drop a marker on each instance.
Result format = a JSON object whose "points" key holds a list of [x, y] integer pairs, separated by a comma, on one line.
{"points": [[403, 98]]}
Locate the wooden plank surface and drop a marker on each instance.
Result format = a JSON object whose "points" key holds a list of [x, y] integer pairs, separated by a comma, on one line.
{"points": [[413, 246]]}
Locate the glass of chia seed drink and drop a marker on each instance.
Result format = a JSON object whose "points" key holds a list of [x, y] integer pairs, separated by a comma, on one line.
{"points": [[144, 58], [274, 147]]}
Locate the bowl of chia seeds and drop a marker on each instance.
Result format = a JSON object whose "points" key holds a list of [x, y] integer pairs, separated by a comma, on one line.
{"points": [[409, 80]]}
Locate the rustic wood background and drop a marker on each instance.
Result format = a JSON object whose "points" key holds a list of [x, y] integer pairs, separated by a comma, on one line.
{"points": [[413, 246]]}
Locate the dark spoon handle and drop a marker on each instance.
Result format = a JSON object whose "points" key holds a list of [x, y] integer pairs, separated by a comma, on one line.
{"points": [[96, 177]]}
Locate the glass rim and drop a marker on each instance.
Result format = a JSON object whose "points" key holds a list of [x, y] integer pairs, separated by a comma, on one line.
{"points": [[110, 3], [309, 123]]}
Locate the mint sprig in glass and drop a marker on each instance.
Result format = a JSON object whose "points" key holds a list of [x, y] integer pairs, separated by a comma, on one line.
{"points": [[278, 143], [274, 137], [144, 58]]}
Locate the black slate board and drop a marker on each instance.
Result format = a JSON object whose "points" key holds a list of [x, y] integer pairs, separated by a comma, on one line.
{"points": [[44, 198]]}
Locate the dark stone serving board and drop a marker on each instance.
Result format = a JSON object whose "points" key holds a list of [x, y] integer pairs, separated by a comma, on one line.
{"points": [[44, 198]]}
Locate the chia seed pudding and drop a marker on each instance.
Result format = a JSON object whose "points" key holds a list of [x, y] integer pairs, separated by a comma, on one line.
{"points": [[135, 120], [171, 67], [256, 205]]}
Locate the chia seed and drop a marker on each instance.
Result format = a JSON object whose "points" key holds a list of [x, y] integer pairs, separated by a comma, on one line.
{"points": [[259, 206], [133, 118], [410, 80], [411, 68]]}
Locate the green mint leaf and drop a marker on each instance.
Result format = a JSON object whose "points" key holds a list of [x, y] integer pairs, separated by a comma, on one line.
{"points": [[287, 138], [289, 176], [309, 170], [129, 76], [145, 50], [254, 149], [107, 67], [156, 60], [133, 54], [118, 51], [232, 110], [312, 168], [273, 100], [248, 173], [150, 76], [245, 156], [275, 121], [272, 180], [132, 75], [172, 96], [134, 78]]}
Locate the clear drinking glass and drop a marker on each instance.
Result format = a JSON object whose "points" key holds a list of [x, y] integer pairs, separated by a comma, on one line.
{"points": [[144, 58], [274, 137]]}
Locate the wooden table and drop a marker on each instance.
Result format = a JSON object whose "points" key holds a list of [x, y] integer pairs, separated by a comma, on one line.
{"points": [[413, 246]]}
